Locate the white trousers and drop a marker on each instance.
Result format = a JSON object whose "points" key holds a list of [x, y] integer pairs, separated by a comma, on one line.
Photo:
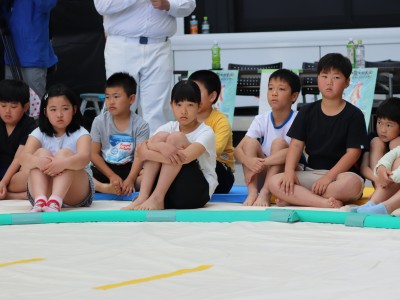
{"points": [[152, 67]]}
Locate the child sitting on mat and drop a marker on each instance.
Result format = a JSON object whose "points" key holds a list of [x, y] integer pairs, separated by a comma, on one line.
{"points": [[386, 197], [386, 137], [210, 87], [333, 133], [179, 159], [58, 155], [115, 134], [262, 151], [15, 126]]}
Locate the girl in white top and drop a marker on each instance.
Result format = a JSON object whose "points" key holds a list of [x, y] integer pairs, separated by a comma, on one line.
{"points": [[179, 160], [57, 155], [386, 197]]}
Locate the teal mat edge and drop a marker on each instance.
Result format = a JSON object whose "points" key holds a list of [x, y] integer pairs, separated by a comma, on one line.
{"points": [[273, 215]]}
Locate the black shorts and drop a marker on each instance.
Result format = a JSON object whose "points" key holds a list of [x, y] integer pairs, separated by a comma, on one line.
{"points": [[121, 170], [189, 189], [225, 178]]}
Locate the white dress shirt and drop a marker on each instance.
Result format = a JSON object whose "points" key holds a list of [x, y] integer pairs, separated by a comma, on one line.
{"points": [[135, 18]]}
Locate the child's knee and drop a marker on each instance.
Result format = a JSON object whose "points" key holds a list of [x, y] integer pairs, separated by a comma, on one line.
{"points": [[377, 143], [251, 146], [160, 137], [278, 144], [42, 152], [353, 184], [394, 143], [177, 139], [64, 152]]}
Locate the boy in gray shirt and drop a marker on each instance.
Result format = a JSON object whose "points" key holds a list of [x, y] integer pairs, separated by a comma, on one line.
{"points": [[115, 134]]}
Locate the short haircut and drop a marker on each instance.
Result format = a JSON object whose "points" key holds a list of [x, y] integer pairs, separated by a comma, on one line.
{"points": [[15, 91], [389, 109], [291, 78], [335, 61], [124, 80], [55, 91], [210, 80], [186, 90]]}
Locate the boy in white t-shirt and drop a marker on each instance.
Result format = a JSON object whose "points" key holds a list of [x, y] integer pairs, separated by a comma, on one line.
{"points": [[179, 159], [262, 151]]}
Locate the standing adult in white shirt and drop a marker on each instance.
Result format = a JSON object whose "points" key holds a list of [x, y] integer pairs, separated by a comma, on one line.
{"points": [[138, 33]]}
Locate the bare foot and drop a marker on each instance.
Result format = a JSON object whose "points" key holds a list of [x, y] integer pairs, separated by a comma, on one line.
{"points": [[105, 188], [263, 200], [131, 206], [281, 203], [251, 198], [135, 203], [151, 204], [117, 187], [334, 203]]}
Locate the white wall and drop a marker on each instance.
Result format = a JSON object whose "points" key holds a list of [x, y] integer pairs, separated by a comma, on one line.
{"points": [[192, 52]]}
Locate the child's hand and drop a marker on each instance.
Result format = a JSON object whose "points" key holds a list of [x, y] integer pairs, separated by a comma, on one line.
{"points": [[42, 162], [255, 164], [173, 154], [128, 187], [288, 181], [384, 178], [3, 191], [319, 187], [117, 183], [55, 167]]}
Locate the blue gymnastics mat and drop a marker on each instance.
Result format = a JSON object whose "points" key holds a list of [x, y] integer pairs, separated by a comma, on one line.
{"points": [[237, 194]]}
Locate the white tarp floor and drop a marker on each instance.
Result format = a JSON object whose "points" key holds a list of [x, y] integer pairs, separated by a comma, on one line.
{"points": [[241, 260]]}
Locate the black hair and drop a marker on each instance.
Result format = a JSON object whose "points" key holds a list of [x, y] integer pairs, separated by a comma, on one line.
{"points": [[291, 78], [335, 61], [210, 80], [55, 91], [389, 109], [124, 80], [15, 91], [186, 90]]}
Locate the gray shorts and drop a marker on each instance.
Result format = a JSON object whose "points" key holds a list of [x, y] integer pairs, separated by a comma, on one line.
{"points": [[86, 202], [309, 176]]}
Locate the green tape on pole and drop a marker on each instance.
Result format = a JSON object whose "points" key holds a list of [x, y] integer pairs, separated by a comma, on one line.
{"points": [[6, 219], [379, 221], [221, 215], [283, 215], [161, 216], [95, 216], [26, 218], [355, 220], [319, 216]]}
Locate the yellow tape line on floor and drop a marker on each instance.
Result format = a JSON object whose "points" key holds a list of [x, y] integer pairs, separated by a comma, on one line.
{"points": [[151, 278], [22, 261]]}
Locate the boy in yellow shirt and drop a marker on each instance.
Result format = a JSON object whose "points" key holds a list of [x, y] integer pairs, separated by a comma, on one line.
{"points": [[210, 87]]}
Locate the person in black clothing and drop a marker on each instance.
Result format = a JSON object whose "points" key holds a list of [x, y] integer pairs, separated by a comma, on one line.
{"points": [[15, 126], [333, 133]]}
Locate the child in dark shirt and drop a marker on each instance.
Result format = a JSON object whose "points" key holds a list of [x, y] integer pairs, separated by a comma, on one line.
{"points": [[332, 131], [15, 126]]}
